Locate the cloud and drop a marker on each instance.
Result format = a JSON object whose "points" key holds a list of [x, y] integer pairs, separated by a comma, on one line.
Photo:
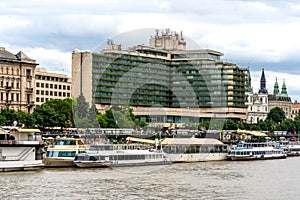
{"points": [[249, 33], [51, 59]]}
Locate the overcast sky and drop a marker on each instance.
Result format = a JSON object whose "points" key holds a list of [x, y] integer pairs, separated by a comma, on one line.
{"points": [[249, 33]]}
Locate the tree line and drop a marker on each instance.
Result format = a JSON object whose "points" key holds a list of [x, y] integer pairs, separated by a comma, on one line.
{"points": [[69, 113]]}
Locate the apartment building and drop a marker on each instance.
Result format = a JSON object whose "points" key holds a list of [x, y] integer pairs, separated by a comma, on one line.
{"points": [[50, 85]]}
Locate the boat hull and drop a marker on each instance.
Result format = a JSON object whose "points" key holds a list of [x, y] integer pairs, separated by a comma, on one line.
{"points": [[8, 166], [92, 164], [197, 157], [58, 162], [245, 158]]}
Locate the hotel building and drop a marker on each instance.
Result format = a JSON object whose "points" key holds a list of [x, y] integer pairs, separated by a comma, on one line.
{"points": [[17, 81], [51, 86], [164, 83]]}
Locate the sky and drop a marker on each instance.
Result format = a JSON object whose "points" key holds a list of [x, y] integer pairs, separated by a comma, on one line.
{"points": [[255, 34]]}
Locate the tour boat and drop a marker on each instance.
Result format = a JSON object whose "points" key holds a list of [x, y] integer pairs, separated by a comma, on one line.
{"points": [[120, 156], [291, 148], [255, 151], [63, 152], [21, 149], [194, 149]]}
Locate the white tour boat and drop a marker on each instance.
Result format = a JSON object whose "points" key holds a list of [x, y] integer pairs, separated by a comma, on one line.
{"points": [[109, 155], [292, 148], [21, 149], [255, 151], [194, 149], [63, 152]]}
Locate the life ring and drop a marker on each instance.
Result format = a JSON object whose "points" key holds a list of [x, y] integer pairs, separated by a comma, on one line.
{"points": [[9, 142]]}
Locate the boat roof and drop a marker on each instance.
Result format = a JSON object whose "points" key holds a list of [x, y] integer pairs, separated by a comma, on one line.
{"points": [[21, 130], [191, 141]]}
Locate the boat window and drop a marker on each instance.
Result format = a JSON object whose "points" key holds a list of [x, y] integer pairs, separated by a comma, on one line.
{"points": [[67, 154], [92, 158]]}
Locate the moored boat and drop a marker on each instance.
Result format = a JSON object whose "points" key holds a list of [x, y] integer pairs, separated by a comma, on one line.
{"points": [[255, 151], [194, 149], [21, 149], [292, 148], [120, 156], [63, 152]]}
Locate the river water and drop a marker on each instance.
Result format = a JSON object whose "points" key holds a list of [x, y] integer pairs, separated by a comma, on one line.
{"points": [[269, 179]]}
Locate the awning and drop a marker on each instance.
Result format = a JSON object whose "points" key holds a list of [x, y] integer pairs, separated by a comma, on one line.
{"points": [[191, 141], [3, 132], [147, 141], [255, 133], [21, 130]]}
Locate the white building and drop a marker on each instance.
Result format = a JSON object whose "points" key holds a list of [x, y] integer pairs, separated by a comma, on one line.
{"points": [[51, 86]]}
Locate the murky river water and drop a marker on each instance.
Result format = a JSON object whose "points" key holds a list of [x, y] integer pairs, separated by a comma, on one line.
{"points": [[271, 179]]}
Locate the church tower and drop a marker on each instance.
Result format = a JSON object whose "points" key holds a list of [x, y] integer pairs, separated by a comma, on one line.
{"points": [[283, 89], [263, 89], [276, 87]]}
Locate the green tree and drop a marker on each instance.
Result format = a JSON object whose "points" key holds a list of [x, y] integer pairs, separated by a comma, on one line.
{"points": [[25, 119], [287, 125], [230, 125], [80, 107], [46, 116], [276, 114], [119, 118], [9, 115]]}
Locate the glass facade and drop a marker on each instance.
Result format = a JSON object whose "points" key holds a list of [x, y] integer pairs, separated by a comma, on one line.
{"points": [[150, 77]]}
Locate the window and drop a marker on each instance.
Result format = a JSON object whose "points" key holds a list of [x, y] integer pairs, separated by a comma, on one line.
{"points": [[55, 86], [37, 84], [42, 92], [47, 85], [59, 94], [37, 92], [42, 85], [68, 94], [55, 93], [37, 99], [18, 86], [51, 93], [17, 97], [51, 85], [42, 99], [59, 87], [47, 92], [68, 87]]}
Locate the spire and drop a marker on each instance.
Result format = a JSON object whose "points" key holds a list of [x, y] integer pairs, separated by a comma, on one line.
{"points": [[276, 87], [283, 89], [263, 89]]}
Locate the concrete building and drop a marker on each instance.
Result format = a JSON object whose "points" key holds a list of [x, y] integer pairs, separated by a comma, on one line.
{"points": [[164, 83], [258, 103], [17, 81], [51, 86]]}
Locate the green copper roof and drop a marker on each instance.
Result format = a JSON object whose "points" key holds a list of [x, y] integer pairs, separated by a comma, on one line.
{"points": [[276, 87], [283, 89]]}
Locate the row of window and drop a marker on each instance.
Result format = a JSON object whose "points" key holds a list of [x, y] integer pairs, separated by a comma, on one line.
{"points": [[53, 93], [51, 78], [10, 97], [55, 86]]}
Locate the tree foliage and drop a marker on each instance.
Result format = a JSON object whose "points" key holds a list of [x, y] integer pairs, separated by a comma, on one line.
{"points": [[276, 114]]}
